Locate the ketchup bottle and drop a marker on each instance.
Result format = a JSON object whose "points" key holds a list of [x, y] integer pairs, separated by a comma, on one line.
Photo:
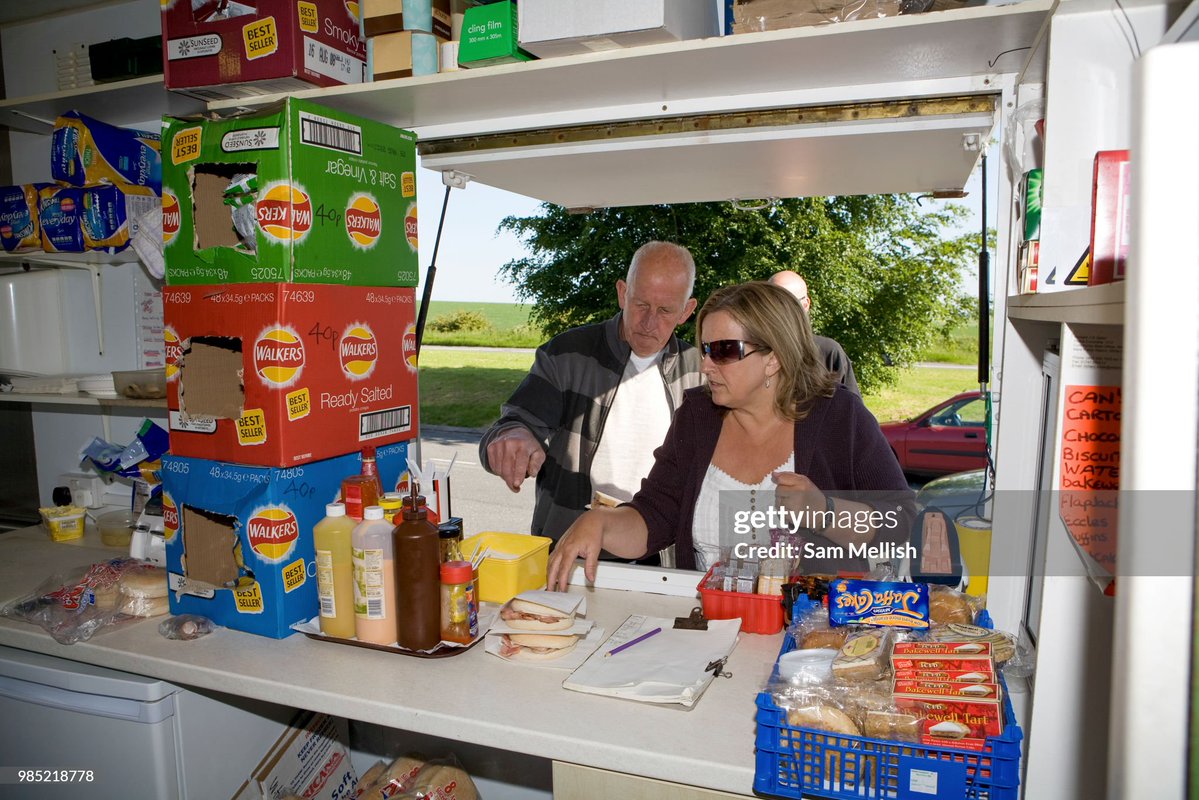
{"points": [[417, 577]]}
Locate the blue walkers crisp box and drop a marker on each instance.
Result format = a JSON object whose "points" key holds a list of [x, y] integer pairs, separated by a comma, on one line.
{"points": [[239, 538]]}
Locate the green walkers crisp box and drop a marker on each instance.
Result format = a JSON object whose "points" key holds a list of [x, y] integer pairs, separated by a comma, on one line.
{"points": [[283, 374], [295, 193], [239, 541]]}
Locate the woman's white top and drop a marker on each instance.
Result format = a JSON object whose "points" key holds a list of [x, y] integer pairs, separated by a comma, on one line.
{"points": [[723, 513]]}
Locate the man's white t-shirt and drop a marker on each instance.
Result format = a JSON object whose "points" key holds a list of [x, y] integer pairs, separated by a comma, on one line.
{"points": [[636, 425]]}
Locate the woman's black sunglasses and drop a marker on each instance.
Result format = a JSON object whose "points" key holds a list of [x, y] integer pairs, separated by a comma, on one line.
{"points": [[726, 351]]}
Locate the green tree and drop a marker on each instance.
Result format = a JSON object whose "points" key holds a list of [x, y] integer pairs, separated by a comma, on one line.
{"points": [[883, 276]]}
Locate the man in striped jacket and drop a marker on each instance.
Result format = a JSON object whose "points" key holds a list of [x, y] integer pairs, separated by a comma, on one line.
{"points": [[599, 398]]}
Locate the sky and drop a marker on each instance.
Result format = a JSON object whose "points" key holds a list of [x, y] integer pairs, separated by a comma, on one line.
{"points": [[472, 250]]}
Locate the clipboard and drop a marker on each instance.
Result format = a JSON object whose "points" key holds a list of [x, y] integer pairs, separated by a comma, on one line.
{"points": [[672, 667]]}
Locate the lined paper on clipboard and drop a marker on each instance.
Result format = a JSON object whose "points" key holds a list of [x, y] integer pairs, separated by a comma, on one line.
{"points": [[670, 667]]}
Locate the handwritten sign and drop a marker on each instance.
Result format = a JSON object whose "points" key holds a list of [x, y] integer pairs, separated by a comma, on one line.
{"points": [[1090, 470]]}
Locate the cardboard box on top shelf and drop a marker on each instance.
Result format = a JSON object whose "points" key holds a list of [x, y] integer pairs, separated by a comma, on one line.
{"points": [[489, 36], [752, 16], [295, 192], [277, 374], [239, 543], [564, 27], [404, 54], [243, 49], [387, 16]]}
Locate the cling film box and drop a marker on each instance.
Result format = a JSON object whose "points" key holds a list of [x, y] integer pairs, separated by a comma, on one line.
{"points": [[278, 375], [295, 193], [239, 543]]}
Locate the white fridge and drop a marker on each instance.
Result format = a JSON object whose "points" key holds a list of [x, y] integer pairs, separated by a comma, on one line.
{"points": [[139, 737]]}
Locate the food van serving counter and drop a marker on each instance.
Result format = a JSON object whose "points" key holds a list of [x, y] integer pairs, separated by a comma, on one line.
{"points": [[472, 697]]}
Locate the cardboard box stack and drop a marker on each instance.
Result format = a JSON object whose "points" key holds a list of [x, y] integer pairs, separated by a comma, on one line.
{"points": [[289, 318], [403, 45], [952, 689]]}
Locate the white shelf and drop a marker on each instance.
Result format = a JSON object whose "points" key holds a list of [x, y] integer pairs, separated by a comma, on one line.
{"points": [[82, 260], [81, 399], [1095, 305], [958, 53], [121, 103]]}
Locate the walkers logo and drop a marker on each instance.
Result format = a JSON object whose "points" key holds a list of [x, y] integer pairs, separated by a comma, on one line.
{"points": [[410, 229], [170, 217], [364, 221], [410, 347], [353, 9], [272, 533], [170, 517], [279, 356], [359, 351], [284, 213], [172, 350]]}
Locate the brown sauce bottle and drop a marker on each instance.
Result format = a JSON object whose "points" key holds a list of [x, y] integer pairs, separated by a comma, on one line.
{"points": [[417, 553]]}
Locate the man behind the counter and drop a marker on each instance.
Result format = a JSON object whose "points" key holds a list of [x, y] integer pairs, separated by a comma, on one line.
{"points": [[599, 398], [830, 349]]}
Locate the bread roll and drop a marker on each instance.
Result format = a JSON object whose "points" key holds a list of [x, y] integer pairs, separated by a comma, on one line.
{"points": [[823, 717], [945, 606], [144, 606], [147, 582], [894, 725], [823, 637]]}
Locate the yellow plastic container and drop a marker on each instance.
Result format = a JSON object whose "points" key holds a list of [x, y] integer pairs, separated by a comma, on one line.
{"points": [[517, 563], [974, 542], [64, 522]]}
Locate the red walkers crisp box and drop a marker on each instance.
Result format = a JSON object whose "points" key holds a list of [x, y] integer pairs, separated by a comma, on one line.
{"points": [[277, 45], [279, 374]]}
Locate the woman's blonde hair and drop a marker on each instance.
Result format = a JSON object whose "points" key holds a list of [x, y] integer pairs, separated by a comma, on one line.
{"points": [[774, 319]]}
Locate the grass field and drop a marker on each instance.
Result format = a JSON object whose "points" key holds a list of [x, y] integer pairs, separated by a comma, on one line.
{"points": [[464, 388], [509, 327]]}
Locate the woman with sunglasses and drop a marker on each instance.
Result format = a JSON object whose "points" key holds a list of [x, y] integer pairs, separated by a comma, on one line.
{"points": [[772, 429]]}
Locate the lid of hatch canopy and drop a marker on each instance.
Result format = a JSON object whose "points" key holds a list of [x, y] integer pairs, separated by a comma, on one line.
{"points": [[865, 148]]}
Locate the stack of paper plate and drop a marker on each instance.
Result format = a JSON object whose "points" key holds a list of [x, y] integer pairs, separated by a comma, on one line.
{"points": [[98, 385]]}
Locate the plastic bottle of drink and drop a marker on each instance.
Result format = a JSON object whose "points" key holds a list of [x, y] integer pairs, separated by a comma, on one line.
{"points": [[360, 491], [335, 571], [417, 578], [374, 579]]}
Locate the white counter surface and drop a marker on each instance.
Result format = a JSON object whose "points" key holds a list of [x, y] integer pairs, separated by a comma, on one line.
{"points": [[474, 697]]}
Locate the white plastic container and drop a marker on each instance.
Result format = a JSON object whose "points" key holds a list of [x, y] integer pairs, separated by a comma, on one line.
{"points": [[33, 329]]}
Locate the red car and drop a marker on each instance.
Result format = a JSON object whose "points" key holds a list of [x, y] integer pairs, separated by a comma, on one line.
{"points": [[949, 437]]}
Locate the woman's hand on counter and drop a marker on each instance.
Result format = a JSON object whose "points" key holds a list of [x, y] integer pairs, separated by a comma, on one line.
{"points": [[620, 531]]}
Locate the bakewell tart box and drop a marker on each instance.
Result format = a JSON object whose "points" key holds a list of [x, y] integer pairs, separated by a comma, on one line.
{"points": [[281, 374]]}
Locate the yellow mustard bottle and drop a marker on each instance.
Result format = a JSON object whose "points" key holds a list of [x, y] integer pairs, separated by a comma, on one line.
{"points": [[335, 571]]}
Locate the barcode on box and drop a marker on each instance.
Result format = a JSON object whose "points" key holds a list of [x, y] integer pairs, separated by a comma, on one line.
{"points": [[385, 422], [330, 133]]}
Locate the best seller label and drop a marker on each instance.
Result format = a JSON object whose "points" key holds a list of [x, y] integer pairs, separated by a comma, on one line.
{"points": [[251, 427], [299, 403], [249, 601], [261, 38]]}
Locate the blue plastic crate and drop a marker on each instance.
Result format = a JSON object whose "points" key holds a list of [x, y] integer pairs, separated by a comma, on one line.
{"points": [[800, 762]]}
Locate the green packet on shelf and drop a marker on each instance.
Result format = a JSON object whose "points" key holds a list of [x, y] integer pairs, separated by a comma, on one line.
{"points": [[489, 36]]}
